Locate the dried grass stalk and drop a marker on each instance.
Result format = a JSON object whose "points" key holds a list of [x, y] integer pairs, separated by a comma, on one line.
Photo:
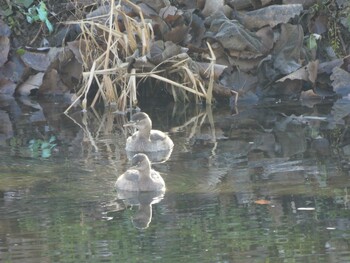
{"points": [[105, 61]]}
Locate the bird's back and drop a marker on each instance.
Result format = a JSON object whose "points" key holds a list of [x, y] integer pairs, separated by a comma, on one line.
{"points": [[128, 181], [158, 141]]}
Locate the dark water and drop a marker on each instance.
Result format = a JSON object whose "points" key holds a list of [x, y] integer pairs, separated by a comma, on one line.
{"points": [[264, 183]]}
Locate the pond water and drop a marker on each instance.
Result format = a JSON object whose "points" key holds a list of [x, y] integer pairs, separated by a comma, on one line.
{"points": [[260, 183]]}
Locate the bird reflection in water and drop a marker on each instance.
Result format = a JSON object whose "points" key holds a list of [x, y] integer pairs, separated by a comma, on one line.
{"points": [[144, 201]]}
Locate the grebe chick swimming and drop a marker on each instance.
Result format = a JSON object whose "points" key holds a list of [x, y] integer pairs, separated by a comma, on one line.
{"points": [[146, 139], [140, 177]]}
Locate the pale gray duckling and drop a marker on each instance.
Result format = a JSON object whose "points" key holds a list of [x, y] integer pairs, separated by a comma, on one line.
{"points": [[146, 139], [140, 177]]}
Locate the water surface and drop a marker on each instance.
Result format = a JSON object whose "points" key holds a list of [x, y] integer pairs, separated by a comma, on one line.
{"points": [[262, 183]]}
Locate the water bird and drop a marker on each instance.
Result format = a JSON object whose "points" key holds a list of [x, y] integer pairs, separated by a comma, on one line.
{"points": [[146, 139], [140, 177]]}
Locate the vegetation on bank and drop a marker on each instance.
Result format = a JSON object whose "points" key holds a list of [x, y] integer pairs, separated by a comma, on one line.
{"points": [[190, 50]]}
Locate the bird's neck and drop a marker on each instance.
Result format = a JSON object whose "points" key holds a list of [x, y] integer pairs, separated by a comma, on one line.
{"points": [[146, 132], [146, 172]]}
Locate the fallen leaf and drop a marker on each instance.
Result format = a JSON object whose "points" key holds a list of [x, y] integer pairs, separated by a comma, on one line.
{"points": [[267, 39], [78, 48], [233, 36], [239, 81], [319, 25], [272, 15], [309, 95], [340, 81], [168, 11], [161, 51], [147, 11], [7, 87], [307, 73], [157, 5], [40, 61], [328, 66], [212, 6], [32, 83], [287, 50], [177, 34], [5, 30], [203, 69], [4, 49], [52, 84], [262, 202]]}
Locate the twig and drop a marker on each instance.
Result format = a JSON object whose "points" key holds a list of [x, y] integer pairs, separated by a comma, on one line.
{"points": [[37, 34]]}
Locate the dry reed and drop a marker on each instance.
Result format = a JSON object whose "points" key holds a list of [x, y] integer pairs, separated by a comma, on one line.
{"points": [[109, 50]]}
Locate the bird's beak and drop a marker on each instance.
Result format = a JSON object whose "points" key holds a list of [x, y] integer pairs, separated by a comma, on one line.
{"points": [[134, 167], [130, 123]]}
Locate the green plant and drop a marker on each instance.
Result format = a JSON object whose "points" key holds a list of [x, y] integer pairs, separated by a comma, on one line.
{"points": [[39, 13], [311, 41], [40, 148]]}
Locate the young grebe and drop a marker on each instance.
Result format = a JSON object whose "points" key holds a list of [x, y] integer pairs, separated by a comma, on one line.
{"points": [[146, 139], [140, 177]]}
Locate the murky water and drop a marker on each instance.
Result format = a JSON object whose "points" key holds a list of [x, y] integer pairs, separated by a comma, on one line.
{"points": [[265, 183]]}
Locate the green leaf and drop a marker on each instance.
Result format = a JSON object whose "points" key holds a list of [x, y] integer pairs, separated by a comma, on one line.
{"points": [[46, 153], [29, 19], [25, 3], [32, 15], [7, 12], [42, 12], [49, 25], [45, 145], [311, 42], [20, 51], [52, 139]]}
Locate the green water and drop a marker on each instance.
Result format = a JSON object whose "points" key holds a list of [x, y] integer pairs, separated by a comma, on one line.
{"points": [[254, 186]]}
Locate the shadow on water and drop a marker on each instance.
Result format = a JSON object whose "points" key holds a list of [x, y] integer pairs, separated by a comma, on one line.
{"points": [[268, 182]]}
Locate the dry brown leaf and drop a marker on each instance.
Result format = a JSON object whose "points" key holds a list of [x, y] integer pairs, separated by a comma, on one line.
{"points": [[147, 11], [52, 84], [177, 34], [40, 61], [309, 95], [233, 36], [197, 30], [340, 81], [212, 6], [272, 15], [267, 39], [307, 73], [319, 25], [4, 49], [286, 52], [328, 66], [168, 11], [78, 47], [239, 81], [203, 67], [262, 202], [157, 5], [32, 83], [7, 87]]}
